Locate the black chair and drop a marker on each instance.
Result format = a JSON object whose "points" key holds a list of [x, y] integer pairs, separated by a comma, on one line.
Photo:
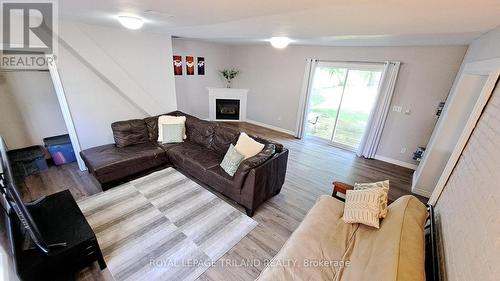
{"points": [[72, 243], [49, 238]]}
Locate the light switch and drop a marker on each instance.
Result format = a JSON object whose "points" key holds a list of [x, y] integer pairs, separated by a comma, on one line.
{"points": [[397, 108]]}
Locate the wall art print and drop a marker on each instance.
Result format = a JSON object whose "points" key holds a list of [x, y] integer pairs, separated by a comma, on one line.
{"points": [[177, 65], [201, 66], [189, 65]]}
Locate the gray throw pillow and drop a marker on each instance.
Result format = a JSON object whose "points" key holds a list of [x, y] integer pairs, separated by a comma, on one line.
{"points": [[173, 133], [231, 160]]}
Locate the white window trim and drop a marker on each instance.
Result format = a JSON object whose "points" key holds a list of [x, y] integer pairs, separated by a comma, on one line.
{"points": [[367, 66]]}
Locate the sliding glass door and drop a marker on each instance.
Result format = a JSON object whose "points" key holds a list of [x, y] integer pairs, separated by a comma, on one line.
{"points": [[341, 99]]}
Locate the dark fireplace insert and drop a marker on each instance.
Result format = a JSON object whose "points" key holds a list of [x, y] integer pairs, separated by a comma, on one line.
{"points": [[227, 109]]}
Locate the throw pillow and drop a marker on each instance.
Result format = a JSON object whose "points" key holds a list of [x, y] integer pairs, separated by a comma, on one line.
{"points": [[231, 161], [247, 146], [384, 186], [167, 119], [172, 133], [362, 206]]}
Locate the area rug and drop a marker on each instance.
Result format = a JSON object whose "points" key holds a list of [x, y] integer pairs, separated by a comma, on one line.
{"points": [[163, 226]]}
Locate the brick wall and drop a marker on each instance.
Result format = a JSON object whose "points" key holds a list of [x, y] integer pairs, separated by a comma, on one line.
{"points": [[468, 211]]}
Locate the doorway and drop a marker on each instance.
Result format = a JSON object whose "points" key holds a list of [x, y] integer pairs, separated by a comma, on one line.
{"points": [[29, 119], [342, 97]]}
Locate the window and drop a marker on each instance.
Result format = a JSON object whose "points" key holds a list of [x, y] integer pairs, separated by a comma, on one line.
{"points": [[341, 99]]}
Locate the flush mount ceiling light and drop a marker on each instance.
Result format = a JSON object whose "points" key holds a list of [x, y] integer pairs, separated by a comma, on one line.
{"points": [[131, 22], [280, 42]]}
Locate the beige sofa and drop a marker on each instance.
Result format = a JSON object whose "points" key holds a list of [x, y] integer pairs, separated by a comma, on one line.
{"points": [[325, 248]]}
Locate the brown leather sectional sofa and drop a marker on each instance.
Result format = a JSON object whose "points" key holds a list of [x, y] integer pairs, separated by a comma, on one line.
{"points": [[136, 152]]}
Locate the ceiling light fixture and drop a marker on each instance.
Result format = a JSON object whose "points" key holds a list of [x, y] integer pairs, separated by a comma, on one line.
{"points": [[280, 42], [131, 22]]}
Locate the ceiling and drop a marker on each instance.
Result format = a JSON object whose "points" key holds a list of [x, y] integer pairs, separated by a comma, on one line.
{"points": [[317, 22]]}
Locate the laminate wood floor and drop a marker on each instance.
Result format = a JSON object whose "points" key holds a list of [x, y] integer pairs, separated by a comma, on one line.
{"points": [[312, 166]]}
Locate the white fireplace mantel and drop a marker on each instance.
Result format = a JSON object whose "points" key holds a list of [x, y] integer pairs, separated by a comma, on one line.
{"points": [[227, 93]]}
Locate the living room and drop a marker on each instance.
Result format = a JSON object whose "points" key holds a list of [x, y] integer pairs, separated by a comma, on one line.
{"points": [[235, 141]]}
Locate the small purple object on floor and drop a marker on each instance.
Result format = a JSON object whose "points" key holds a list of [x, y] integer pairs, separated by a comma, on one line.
{"points": [[60, 149]]}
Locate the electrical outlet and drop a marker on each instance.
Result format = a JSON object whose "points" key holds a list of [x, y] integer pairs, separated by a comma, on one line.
{"points": [[397, 108], [403, 150]]}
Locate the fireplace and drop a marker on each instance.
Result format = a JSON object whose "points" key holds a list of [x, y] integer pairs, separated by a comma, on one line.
{"points": [[228, 109], [227, 104]]}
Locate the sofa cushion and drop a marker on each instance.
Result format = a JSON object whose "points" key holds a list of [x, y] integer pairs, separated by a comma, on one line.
{"points": [[130, 132], [322, 236], [222, 139], [219, 180], [193, 158], [231, 186], [170, 120], [199, 132], [382, 185], [178, 113], [248, 146], [278, 146], [152, 126], [172, 133], [109, 163], [231, 161], [399, 245], [167, 146], [363, 206]]}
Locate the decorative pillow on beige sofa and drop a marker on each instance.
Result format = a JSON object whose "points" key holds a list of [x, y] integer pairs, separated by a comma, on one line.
{"points": [[247, 146], [384, 186], [167, 119], [362, 206]]}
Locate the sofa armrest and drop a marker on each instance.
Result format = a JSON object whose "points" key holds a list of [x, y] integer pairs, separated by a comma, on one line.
{"points": [[340, 187], [253, 162], [264, 181], [257, 160]]}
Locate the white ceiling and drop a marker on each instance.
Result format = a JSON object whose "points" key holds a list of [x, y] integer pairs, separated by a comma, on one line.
{"points": [[318, 22]]}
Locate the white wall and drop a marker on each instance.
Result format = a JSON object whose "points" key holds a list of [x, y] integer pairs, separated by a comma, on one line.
{"points": [[113, 74], [468, 217], [485, 47], [446, 134], [274, 79], [29, 109], [467, 210], [192, 93], [457, 110]]}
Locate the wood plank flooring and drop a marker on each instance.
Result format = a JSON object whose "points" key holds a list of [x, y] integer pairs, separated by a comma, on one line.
{"points": [[312, 166]]}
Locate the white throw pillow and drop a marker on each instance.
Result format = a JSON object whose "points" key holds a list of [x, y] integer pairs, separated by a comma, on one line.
{"points": [[167, 119], [362, 206], [247, 146], [382, 185]]}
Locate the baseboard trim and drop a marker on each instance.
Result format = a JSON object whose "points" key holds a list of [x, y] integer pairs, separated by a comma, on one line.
{"points": [[396, 162], [421, 192], [285, 131]]}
